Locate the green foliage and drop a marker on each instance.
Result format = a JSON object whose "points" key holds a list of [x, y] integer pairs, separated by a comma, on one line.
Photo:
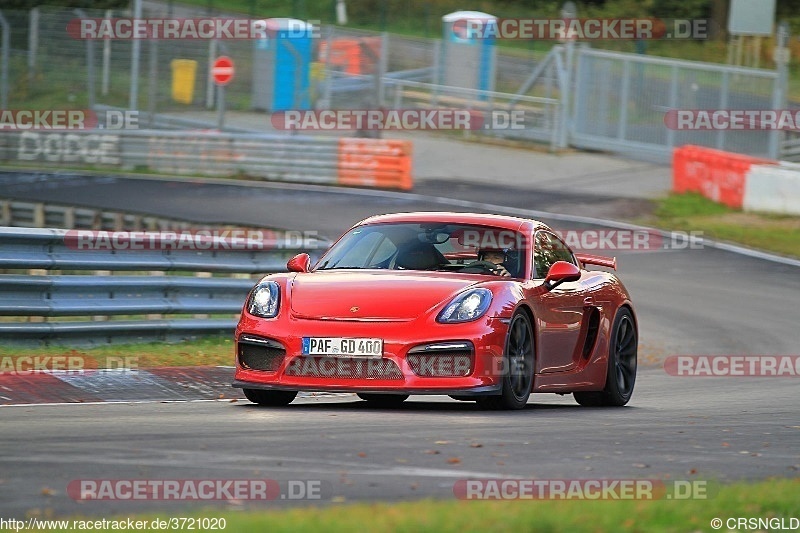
{"points": [[681, 9]]}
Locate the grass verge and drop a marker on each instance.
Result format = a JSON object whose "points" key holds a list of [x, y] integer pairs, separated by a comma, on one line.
{"points": [[207, 351], [692, 212], [774, 499]]}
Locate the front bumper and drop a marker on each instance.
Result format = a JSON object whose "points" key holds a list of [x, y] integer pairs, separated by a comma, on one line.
{"points": [[488, 390], [486, 335]]}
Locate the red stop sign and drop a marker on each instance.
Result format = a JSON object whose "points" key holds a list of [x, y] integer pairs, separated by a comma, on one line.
{"points": [[222, 70]]}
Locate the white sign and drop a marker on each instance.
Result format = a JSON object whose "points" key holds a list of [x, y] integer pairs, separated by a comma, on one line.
{"points": [[751, 17]]}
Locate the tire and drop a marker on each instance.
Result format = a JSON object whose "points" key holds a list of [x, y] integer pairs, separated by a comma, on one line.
{"points": [[383, 400], [622, 361], [518, 371], [271, 398]]}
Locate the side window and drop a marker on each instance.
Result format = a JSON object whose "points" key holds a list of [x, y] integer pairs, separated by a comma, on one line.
{"points": [[561, 250], [547, 250]]}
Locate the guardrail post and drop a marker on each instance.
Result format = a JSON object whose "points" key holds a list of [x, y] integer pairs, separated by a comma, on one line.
{"points": [[38, 216], [5, 213], [69, 218]]}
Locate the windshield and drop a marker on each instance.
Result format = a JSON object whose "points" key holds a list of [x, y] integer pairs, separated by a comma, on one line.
{"points": [[429, 246]]}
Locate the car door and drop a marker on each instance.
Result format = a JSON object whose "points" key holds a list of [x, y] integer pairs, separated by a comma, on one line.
{"points": [[559, 312]]}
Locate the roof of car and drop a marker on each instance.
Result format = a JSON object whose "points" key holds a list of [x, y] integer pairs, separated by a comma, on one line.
{"points": [[480, 219]]}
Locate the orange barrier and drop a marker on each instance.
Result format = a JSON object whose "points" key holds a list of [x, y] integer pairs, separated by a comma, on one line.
{"points": [[378, 163], [351, 56], [717, 175]]}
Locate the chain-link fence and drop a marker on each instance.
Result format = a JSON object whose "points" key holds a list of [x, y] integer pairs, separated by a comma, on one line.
{"points": [[50, 68], [572, 95]]}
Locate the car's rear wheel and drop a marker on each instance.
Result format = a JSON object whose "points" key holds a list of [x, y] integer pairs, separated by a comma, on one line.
{"points": [[383, 400], [622, 359], [273, 398], [518, 367]]}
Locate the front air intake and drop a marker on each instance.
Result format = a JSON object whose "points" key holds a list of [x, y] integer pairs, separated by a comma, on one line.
{"points": [[259, 353]]}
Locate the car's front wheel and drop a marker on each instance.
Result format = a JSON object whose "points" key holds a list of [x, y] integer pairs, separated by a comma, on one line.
{"points": [[383, 400], [622, 358], [272, 398], [517, 367]]}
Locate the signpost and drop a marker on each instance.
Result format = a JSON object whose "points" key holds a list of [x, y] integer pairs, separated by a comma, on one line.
{"points": [[222, 73]]}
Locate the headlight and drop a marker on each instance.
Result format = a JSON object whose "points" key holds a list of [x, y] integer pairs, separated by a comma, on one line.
{"points": [[265, 300], [470, 305]]}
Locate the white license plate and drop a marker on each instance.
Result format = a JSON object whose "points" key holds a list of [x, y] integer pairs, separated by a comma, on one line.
{"points": [[339, 346]]}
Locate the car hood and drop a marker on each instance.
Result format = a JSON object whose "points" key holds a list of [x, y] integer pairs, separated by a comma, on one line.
{"points": [[371, 294]]}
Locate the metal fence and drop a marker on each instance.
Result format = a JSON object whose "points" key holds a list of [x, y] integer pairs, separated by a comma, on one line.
{"points": [[131, 298], [296, 158], [41, 215], [620, 102], [594, 99]]}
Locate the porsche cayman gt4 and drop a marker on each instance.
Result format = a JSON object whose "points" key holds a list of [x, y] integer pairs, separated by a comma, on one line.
{"points": [[479, 307]]}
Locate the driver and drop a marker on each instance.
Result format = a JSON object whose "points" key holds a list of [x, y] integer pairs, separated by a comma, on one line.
{"points": [[491, 260], [497, 257]]}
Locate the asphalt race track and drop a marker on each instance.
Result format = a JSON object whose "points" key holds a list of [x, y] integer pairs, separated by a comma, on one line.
{"points": [[689, 302], [681, 428]]}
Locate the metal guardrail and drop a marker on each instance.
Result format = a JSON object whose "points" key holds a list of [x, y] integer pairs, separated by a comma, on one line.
{"points": [[41, 215], [540, 116], [55, 295], [294, 158]]}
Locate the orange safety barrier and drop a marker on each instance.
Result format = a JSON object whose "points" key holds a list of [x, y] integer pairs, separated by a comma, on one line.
{"points": [[717, 175], [385, 164], [352, 56]]}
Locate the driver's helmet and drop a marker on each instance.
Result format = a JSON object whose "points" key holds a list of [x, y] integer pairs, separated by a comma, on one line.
{"points": [[483, 252], [511, 258]]}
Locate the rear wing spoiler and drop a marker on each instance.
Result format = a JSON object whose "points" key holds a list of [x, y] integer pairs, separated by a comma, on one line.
{"points": [[599, 260]]}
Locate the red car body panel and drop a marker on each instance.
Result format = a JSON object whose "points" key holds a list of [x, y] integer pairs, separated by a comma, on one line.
{"points": [[401, 307]]}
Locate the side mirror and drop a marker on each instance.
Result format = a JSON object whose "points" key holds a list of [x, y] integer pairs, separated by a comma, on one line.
{"points": [[559, 272], [299, 263]]}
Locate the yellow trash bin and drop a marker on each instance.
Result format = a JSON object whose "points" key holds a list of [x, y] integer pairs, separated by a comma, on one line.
{"points": [[183, 75]]}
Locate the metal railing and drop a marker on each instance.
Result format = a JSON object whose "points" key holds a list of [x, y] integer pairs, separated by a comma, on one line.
{"points": [[41, 215], [294, 158], [72, 287], [539, 117]]}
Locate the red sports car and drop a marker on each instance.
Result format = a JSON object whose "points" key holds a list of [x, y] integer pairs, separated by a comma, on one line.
{"points": [[480, 307]]}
